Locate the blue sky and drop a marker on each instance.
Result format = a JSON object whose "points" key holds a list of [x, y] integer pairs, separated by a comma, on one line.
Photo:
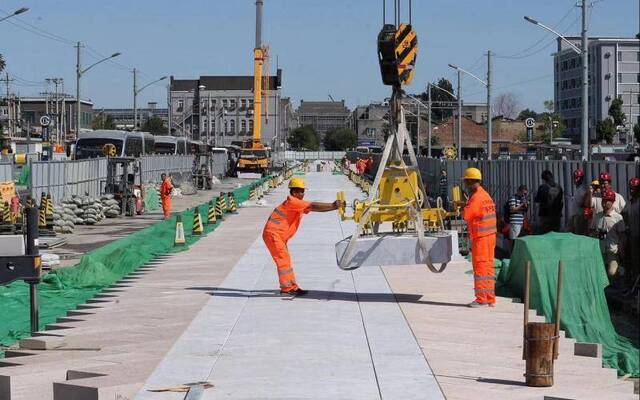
{"points": [[323, 46]]}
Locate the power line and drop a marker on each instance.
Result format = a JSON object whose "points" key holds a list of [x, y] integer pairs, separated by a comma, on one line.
{"points": [[22, 24], [523, 82]]}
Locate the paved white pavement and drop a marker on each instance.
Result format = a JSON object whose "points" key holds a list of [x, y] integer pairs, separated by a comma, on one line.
{"points": [[347, 340]]}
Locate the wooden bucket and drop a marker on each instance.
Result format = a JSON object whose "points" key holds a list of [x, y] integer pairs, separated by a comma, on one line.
{"points": [[540, 339]]}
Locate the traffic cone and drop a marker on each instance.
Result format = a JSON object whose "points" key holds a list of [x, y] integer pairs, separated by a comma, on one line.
{"points": [[29, 202], [211, 213], [219, 209], [233, 206], [42, 216], [252, 193], [197, 222], [179, 239], [49, 205], [223, 203]]}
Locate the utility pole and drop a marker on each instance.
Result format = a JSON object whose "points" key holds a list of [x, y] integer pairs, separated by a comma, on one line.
{"points": [[585, 85], [489, 111], [459, 116], [135, 100], [8, 81], [78, 73], [209, 118], [429, 119]]}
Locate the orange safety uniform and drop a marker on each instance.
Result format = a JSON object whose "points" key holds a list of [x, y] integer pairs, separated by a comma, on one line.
{"points": [[165, 196], [360, 166], [480, 214], [280, 227]]}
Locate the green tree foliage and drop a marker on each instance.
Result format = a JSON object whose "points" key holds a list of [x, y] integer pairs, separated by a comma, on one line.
{"points": [[437, 96], [304, 138], [155, 126], [636, 132], [606, 129], [527, 113], [340, 139], [615, 112], [548, 119], [102, 121], [548, 105]]}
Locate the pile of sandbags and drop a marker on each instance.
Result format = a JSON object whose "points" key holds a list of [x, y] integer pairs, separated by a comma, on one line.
{"points": [[87, 210], [111, 207], [64, 217]]}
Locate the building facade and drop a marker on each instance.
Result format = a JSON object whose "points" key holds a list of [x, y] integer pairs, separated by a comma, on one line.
{"points": [[614, 72], [323, 116], [219, 109], [123, 117], [371, 123]]}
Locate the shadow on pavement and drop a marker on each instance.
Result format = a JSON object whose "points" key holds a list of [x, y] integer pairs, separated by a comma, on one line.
{"points": [[329, 295]]}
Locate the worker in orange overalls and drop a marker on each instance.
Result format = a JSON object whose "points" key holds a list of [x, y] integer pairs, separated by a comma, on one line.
{"points": [[165, 195], [480, 214], [282, 225], [360, 166]]}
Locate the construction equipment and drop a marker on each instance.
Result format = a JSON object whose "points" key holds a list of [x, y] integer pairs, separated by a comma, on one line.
{"points": [[121, 183], [397, 195], [254, 156]]}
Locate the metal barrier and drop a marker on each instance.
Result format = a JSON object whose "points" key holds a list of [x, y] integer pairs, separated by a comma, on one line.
{"points": [[502, 177], [154, 165], [6, 172], [66, 178], [313, 155]]}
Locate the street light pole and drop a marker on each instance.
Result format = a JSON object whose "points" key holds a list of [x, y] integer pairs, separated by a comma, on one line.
{"points": [[489, 111], [135, 100], [459, 115], [585, 85], [429, 120], [16, 12]]}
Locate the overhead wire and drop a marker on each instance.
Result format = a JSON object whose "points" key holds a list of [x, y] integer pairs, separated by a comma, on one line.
{"points": [[22, 24]]}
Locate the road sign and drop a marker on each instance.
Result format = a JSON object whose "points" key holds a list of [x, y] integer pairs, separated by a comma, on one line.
{"points": [[529, 122], [45, 120]]}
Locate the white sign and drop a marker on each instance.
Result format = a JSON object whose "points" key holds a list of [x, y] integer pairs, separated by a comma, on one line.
{"points": [[45, 120], [529, 122]]}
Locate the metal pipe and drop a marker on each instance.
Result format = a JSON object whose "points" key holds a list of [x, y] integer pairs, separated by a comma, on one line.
{"points": [[429, 111], [32, 250], [459, 115]]}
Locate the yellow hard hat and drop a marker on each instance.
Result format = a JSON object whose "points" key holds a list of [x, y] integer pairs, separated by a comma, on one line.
{"points": [[595, 182], [296, 183], [472, 173]]}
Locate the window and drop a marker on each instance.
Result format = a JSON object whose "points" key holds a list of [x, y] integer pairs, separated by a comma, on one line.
{"points": [[180, 105], [226, 126], [573, 103], [251, 125], [573, 63], [133, 147], [557, 66], [564, 65], [251, 104], [214, 103], [638, 78], [244, 124], [619, 77], [573, 83], [232, 126], [243, 103], [224, 103], [619, 56], [232, 103]]}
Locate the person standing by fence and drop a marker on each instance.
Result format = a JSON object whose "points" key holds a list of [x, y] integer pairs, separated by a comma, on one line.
{"points": [[444, 188], [579, 224], [165, 195], [608, 226], [550, 204], [517, 210], [605, 184]]}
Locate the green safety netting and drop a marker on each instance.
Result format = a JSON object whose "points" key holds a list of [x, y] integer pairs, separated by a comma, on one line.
{"points": [[584, 314], [62, 290], [151, 199], [25, 176]]}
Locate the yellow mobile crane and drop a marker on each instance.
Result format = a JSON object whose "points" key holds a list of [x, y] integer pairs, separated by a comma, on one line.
{"points": [[254, 156]]}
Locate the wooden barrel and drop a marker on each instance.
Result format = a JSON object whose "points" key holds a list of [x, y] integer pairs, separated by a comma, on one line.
{"points": [[540, 338]]}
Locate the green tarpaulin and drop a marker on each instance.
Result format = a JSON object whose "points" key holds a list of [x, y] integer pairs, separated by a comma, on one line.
{"points": [[584, 313], [62, 290]]}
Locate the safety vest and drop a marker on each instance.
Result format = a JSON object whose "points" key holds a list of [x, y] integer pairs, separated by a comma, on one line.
{"points": [[480, 214], [285, 218]]}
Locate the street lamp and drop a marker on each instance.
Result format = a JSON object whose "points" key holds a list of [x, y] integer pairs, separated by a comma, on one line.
{"points": [[79, 73], [16, 12], [487, 84], [137, 91], [583, 51], [429, 86]]}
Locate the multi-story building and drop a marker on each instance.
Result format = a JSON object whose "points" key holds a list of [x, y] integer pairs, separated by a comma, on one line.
{"points": [[123, 117], [323, 116], [614, 72], [371, 123], [219, 109]]}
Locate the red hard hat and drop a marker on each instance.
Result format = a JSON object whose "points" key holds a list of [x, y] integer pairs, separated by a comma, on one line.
{"points": [[578, 173], [609, 195], [604, 176], [634, 182]]}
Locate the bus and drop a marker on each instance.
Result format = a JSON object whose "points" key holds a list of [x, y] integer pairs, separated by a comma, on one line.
{"points": [[170, 145], [127, 144]]}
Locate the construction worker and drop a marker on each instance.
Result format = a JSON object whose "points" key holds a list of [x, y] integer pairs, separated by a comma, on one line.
{"points": [[550, 204], [480, 214], [605, 184], [282, 225], [165, 195], [579, 225], [631, 215]]}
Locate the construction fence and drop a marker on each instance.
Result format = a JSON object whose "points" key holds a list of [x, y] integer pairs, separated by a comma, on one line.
{"points": [[313, 155], [88, 177], [6, 172], [503, 177]]}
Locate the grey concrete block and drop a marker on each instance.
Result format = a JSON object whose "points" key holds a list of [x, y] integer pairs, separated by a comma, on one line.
{"points": [[42, 343], [588, 350], [12, 245]]}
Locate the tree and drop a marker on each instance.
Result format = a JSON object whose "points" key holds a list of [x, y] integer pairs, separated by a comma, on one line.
{"points": [[554, 123], [102, 121], [304, 138], [506, 105], [438, 114], [155, 126], [527, 113], [340, 139], [606, 129], [636, 132], [615, 112], [548, 105]]}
